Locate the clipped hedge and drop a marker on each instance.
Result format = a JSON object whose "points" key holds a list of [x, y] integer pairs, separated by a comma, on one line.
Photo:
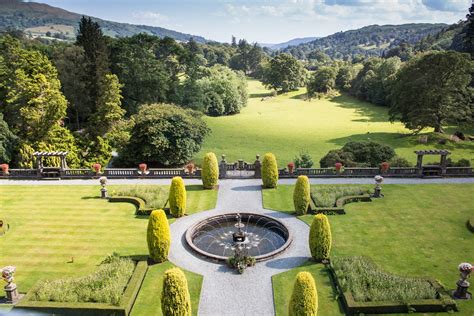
{"points": [[175, 298], [470, 224], [320, 238], [177, 197], [269, 171], [210, 171], [301, 195], [140, 205], [158, 236], [304, 299]]}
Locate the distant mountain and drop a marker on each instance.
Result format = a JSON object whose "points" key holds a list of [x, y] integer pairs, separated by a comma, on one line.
{"points": [[293, 42], [42, 20], [371, 40]]}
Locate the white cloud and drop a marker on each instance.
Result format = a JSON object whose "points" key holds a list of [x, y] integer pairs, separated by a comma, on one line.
{"points": [[152, 18]]}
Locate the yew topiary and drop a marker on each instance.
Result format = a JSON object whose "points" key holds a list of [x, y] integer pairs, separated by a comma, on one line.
{"points": [[304, 299], [301, 195], [320, 238], [177, 197], [210, 171], [269, 171], [175, 298], [158, 236]]}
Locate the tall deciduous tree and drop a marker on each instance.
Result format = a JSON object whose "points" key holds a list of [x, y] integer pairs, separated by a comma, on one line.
{"points": [[322, 81], [432, 90], [284, 73]]}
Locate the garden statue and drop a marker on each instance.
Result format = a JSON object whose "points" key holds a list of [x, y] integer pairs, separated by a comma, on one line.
{"points": [[10, 289], [3, 227], [461, 292], [103, 191], [378, 188]]}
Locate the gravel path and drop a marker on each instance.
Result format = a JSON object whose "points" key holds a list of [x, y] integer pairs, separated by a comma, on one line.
{"points": [[225, 292]]}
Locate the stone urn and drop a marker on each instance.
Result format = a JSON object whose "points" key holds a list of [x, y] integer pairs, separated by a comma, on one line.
{"points": [[461, 293], [11, 292]]}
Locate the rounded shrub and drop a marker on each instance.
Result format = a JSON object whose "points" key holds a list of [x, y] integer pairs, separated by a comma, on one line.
{"points": [[304, 299], [177, 197], [320, 238], [175, 298], [158, 236], [301, 195], [210, 171], [269, 171]]}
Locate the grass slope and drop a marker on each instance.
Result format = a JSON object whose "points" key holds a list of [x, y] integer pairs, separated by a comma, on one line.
{"points": [[287, 124], [49, 225], [415, 230]]}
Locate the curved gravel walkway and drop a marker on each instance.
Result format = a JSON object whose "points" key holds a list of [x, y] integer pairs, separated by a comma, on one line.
{"points": [[225, 292]]}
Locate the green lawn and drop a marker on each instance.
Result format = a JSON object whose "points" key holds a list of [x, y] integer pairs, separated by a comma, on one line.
{"points": [[287, 124], [50, 225], [415, 230]]}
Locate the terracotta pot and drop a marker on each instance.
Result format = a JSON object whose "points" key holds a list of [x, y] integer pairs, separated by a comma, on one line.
{"points": [[291, 167], [142, 167], [5, 167], [97, 167]]}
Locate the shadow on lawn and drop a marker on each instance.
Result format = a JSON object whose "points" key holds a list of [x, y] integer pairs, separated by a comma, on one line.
{"points": [[260, 95], [392, 139], [368, 112]]}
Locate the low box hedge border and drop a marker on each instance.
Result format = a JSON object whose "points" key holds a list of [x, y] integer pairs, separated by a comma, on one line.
{"points": [[470, 224], [90, 309], [140, 204], [443, 303], [340, 203]]}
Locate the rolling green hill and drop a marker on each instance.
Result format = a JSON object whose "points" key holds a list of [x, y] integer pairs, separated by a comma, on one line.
{"points": [[42, 20]]}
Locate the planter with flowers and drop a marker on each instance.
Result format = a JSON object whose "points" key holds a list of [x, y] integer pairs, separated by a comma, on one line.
{"points": [[143, 169], [190, 168], [5, 169], [384, 166], [97, 167], [291, 167], [339, 167]]}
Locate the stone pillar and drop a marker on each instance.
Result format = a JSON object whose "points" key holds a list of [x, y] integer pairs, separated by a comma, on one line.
{"points": [[39, 166], [223, 168], [419, 165], [258, 168], [443, 164], [11, 293]]}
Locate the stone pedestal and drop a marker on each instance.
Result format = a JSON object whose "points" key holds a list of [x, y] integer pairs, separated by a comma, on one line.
{"points": [[11, 292], [461, 292], [377, 192], [103, 193]]}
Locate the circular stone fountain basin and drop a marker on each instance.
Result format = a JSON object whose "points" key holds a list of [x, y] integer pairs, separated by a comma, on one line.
{"points": [[213, 237]]}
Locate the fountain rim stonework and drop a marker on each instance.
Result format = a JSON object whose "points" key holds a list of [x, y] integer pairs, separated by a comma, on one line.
{"points": [[193, 230]]}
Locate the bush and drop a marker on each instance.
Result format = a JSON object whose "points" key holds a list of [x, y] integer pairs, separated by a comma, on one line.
{"points": [[164, 135], [360, 154], [368, 283], [320, 238], [400, 162], [158, 236], [335, 156], [210, 171], [154, 195], [304, 299], [177, 197], [175, 298], [269, 171], [301, 195], [327, 195], [303, 160], [106, 285]]}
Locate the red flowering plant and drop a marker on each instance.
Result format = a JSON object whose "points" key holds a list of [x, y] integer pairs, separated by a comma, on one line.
{"points": [[339, 167], [190, 168], [143, 169], [97, 167], [384, 166], [5, 167], [291, 167]]}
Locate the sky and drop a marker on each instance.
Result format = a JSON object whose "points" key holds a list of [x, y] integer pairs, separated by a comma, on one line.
{"points": [[268, 21]]}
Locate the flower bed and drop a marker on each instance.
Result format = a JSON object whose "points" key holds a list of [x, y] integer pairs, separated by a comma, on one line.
{"points": [[365, 288], [154, 196], [330, 200]]}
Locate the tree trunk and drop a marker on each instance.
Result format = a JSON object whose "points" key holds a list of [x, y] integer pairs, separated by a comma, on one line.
{"points": [[438, 129]]}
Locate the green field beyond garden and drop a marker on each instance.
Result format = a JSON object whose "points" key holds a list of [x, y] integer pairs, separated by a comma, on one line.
{"points": [[287, 124]]}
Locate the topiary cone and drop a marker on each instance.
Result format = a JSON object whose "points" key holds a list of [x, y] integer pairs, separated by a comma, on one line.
{"points": [[320, 238], [158, 236], [210, 171], [175, 298], [269, 171], [301, 195], [177, 197], [304, 299]]}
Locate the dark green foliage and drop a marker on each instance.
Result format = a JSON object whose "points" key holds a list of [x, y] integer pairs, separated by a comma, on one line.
{"points": [[158, 236], [337, 155], [368, 283], [469, 33], [106, 285], [370, 153], [433, 90], [400, 162], [247, 58], [8, 142], [304, 299], [164, 135], [303, 160], [175, 298], [240, 262], [322, 81], [284, 73]]}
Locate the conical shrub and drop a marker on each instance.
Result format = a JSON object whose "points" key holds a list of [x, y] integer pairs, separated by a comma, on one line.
{"points": [[177, 197], [301, 195], [175, 298], [304, 299], [269, 171], [210, 171], [320, 238], [158, 236]]}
